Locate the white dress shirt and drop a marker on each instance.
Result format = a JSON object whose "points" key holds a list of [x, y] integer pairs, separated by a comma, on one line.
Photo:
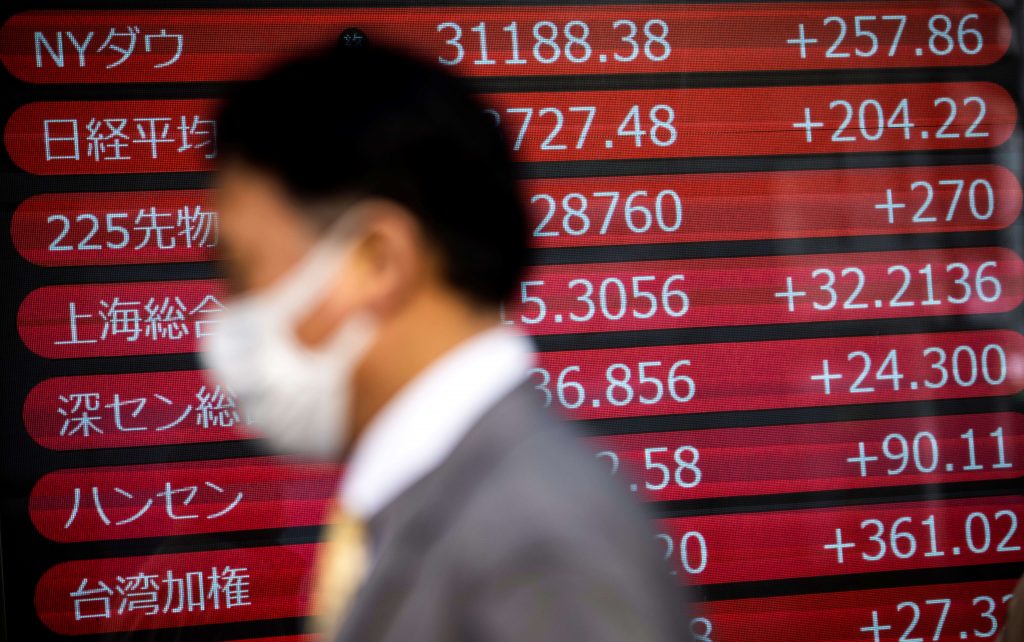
{"points": [[415, 431]]}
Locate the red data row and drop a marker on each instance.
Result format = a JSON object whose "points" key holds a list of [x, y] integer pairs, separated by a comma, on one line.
{"points": [[103, 137], [161, 317], [149, 500], [696, 293], [118, 228], [184, 46], [762, 460], [180, 589], [110, 411], [796, 373], [183, 498], [774, 545], [943, 612], [691, 208]]}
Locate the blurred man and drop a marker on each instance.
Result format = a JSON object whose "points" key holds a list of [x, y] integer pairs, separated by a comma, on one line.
{"points": [[371, 227], [1013, 627]]}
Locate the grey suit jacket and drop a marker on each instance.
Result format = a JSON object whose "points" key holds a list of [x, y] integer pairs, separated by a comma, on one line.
{"points": [[1013, 627], [519, 535]]}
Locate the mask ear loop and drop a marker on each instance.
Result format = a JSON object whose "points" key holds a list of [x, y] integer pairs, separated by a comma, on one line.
{"points": [[323, 261], [331, 240], [344, 210], [356, 333]]}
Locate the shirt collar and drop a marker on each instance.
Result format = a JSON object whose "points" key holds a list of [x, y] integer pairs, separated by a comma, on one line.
{"points": [[421, 425]]}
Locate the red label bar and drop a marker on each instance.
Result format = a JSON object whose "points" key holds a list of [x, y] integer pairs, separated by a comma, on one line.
{"points": [[138, 409], [113, 137], [119, 319], [765, 460], [124, 502], [605, 297], [116, 228], [178, 46], [713, 549], [692, 208], [758, 375], [755, 121], [944, 612], [177, 135], [179, 589]]}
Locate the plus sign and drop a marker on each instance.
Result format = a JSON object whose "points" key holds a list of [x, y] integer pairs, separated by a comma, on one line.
{"points": [[803, 41], [826, 376], [839, 545], [863, 460], [889, 204], [808, 124], [790, 293], [875, 627]]}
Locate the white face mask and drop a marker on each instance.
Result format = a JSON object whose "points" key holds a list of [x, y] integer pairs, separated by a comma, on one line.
{"points": [[298, 398]]}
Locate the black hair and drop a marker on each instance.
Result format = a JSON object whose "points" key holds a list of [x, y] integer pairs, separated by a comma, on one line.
{"points": [[371, 122]]}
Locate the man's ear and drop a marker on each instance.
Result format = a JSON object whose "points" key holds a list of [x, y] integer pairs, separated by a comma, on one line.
{"points": [[386, 264], [390, 261]]}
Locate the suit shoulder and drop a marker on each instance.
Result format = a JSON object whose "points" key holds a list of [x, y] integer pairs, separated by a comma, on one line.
{"points": [[547, 491]]}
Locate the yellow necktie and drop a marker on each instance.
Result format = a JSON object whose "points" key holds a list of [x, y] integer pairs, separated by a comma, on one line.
{"points": [[341, 566]]}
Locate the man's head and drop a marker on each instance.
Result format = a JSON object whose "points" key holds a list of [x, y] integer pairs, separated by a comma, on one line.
{"points": [[392, 173]]}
